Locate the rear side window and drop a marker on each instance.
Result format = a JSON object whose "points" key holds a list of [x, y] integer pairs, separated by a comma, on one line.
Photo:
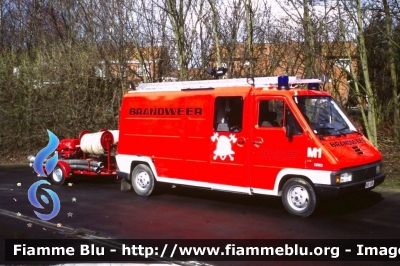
{"points": [[228, 114]]}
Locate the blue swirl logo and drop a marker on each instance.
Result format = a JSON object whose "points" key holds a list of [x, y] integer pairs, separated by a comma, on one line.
{"points": [[42, 155], [34, 201], [49, 166]]}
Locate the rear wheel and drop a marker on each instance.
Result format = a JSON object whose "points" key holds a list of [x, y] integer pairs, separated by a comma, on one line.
{"points": [[299, 197], [57, 176], [143, 181]]}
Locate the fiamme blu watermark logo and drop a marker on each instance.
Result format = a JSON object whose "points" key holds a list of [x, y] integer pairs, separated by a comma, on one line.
{"points": [[38, 166]]}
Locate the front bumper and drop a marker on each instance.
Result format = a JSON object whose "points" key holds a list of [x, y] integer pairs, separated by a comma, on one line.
{"points": [[333, 191]]}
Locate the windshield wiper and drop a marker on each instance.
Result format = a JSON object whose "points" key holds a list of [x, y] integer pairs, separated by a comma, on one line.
{"points": [[340, 131], [331, 131], [324, 131], [355, 131], [350, 131]]}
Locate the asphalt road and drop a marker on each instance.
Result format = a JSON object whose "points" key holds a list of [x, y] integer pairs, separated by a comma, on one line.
{"points": [[95, 207]]}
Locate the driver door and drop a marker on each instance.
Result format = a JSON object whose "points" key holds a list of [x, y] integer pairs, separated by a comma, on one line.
{"points": [[270, 149]]}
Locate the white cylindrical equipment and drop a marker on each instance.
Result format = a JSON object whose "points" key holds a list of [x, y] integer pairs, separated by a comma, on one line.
{"points": [[115, 134], [95, 143]]}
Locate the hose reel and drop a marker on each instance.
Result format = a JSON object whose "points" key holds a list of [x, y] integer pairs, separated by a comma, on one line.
{"points": [[98, 143]]}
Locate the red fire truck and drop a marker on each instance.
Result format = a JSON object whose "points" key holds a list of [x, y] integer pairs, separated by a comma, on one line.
{"points": [[253, 136]]}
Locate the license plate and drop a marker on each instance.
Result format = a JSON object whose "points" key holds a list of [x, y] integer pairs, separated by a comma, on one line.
{"points": [[369, 184]]}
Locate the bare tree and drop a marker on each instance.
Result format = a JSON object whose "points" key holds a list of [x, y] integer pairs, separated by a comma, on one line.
{"points": [[393, 73], [215, 24], [249, 24], [184, 18], [365, 89], [232, 34]]}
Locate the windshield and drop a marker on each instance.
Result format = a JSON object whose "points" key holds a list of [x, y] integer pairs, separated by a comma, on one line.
{"points": [[324, 116]]}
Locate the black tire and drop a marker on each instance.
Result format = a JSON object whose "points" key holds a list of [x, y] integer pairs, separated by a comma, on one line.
{"points": [[299, 197], [57, 177], [143, 180]]}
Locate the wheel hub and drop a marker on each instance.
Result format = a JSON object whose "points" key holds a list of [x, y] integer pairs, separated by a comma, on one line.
{"points": [[142, 180], [57, 175], [298, 198]]}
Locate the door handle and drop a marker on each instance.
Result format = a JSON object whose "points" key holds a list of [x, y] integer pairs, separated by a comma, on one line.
{"points": [[258, 141], [241, 141]]}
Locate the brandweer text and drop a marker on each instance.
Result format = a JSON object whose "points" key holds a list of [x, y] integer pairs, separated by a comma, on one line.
{"points": [[166, 111]]}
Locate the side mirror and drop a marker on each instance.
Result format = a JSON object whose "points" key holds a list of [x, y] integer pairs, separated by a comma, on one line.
{"points": [[289, 132]]}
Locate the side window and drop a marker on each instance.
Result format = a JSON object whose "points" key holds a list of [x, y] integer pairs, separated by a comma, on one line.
{"points": [[228, 114], [270, 113]]}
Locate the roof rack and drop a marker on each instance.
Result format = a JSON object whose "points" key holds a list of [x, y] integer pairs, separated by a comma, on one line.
{"points": [[208, 84]]}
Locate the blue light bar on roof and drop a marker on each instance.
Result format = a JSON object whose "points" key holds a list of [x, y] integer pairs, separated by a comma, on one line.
{"points": [[313, 86], [283, 82]]}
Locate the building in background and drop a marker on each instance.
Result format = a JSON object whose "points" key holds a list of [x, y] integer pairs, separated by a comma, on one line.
{"points": [[328, 59]]}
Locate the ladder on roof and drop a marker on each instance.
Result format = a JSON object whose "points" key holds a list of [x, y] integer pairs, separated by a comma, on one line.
{"points": [[218, 83]]}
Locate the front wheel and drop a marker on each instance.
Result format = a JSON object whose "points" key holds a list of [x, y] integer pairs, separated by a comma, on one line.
{"points": [[299, 197], [57, 176], [143, 180]]}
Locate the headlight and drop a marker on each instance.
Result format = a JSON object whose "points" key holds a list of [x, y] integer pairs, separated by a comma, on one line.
{"points": [[346, 177], [343, 178], [378, 169]]}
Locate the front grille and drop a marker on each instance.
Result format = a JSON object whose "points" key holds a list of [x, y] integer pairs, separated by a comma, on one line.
{"points": [[365, 173], [359, 173]]}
